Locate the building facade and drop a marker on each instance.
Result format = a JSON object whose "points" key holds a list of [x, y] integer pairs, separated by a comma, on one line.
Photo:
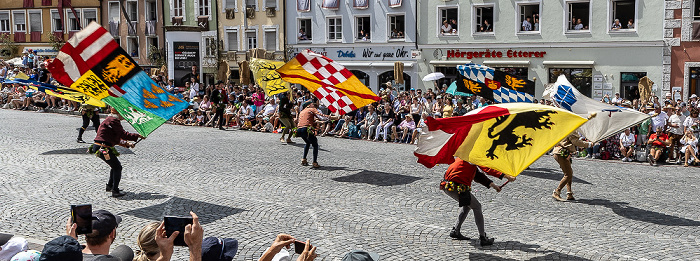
{"points": [[682, 57], [541, 40], [142, 34], [245, 25], [33, 24], [367, 37], [191, 40]]}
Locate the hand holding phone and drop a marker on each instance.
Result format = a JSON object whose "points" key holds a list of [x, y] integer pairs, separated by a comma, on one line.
{"points": [[173, 224], [299, 246], [81, 215]]}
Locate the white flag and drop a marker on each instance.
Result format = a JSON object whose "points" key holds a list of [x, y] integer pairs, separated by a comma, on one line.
{"points": [[609, 119]]}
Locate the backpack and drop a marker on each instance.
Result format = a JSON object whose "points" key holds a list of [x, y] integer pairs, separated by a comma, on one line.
{"points": [[641, 154]]}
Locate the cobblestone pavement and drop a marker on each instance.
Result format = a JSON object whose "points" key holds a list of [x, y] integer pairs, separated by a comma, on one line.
{"points": [[370, 196]]}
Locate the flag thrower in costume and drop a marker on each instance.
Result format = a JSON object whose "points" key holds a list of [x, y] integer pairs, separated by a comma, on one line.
{"points": [[506, 137], [267, 78], [336, 87], [494, 85], [610, 119], [92, 63]]}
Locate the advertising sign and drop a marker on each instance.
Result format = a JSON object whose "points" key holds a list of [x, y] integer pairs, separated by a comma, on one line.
{"points": [[185, 56]]}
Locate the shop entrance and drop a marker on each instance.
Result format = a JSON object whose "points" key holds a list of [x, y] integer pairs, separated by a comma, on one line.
{"points": [[451, 75], [581, 78], [388, 76], [694, 81], [629, 84], [362, 76]]}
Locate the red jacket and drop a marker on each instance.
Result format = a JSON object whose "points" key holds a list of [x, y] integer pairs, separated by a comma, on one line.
{"points": [[111, 132], [464, 173]]}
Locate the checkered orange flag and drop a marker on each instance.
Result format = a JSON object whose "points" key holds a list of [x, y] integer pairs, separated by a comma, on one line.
{"points": [[334, 85]]}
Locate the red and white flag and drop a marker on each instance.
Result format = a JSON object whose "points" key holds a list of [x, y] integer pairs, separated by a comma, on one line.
{"points": [[81, 52]]}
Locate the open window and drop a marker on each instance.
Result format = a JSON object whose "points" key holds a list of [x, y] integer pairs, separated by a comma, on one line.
{"points": [[89, 16], [362, 28], [447, 22], [56, 24], [132, 46], [528, 17], [483, 19], [696, 10], [578, 15], [623, 15], [304, 33], [397, 27], [73, 21]]}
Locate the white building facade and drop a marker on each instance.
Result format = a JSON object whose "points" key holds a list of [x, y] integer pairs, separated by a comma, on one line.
{"points": [[367, 37], [541, 40]]}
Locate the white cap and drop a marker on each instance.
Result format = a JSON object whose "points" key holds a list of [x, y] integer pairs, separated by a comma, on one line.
{"points": [[693, 96]]}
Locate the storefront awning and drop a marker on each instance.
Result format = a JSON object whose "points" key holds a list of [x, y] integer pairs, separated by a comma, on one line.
{"points": [[507, 63], [570, 63], [450, 62], [374, 64]]}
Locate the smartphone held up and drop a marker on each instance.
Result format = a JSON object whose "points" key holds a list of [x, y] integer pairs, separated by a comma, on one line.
{"points": [[82, 216], [173, 224]]}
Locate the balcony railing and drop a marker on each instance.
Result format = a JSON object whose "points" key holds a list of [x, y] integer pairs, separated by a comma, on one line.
{"points": [[35, 37], [132, 28], [114, 28], [20, 37], [151, 27]]}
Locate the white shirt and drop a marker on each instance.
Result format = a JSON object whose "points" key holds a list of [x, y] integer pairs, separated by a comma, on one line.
{"points": [[675, 119], [659, 120], [269, 109], [616, 100], [692, 123], [627, 140], [193, 93]]}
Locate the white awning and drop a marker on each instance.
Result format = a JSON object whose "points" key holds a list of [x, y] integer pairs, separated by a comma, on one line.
{"points": [[373, 64], [569, 63], [507, 63], [450, 62]]}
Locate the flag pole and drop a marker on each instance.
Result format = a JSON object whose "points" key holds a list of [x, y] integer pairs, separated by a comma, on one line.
{"points": [[504, 184]]}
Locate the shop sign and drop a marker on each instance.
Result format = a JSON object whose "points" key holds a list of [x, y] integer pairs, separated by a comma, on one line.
{"points": [[42, 50], [510, 53], [364, 53]]}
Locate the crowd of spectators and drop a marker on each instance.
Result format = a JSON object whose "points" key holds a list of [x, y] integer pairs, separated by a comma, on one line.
{"points": [[154, 243]]}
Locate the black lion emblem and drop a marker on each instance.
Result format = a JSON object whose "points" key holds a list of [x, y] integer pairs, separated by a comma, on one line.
{"points": [[535, 120]]}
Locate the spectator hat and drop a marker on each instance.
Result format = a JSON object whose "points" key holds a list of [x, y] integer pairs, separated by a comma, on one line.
{"points": [[12, 246], [103, 222], [693, 96], [266, 119], [63, 248], [219, 249], [307, 103], [683, 104], [4, 238], [27, 255], [359, 255], [669, 107]]}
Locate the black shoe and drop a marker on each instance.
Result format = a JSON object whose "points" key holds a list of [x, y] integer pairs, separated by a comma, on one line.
{"points": [[108, 188], [485, 241], [458, 236], [221, 128], [80, 140], [117, 193]]}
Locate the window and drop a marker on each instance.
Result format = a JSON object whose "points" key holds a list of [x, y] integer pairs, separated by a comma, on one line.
{"points": [[73, 21], [56, 24], [629, 82], [35, 21], [520, 72], [151, 11], [251, 4], [303, 5], [529, 18], [20, 21], [204, 8], [395, 3], [304, 30], [5, 21], [450, 72], [448, 21], [483, 19], [696, 13], [271, 4], [133, 46], [623, 15], [209, 46], [229, 4], [363, 28], [581, 78], [89, 16], [397, 26], [113, 11], [361, 4], [132, 10], [153, 41], [331, 4], [178, 8], [232, 38], [335, 29], [252, 39], [270, 40], [578, 16]]}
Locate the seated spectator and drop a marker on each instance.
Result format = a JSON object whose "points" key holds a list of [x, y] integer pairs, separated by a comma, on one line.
{"points": [[284, 240], [445, 28], [630, 24], [386, 121], [104, 232], [10, 246], [219, 249], [658, 142], [246, 114], [369, 124], [229, 112], [302, 35], [627, 142], [343, 132], [406, 126], [579, 24], [146, 241], [690, 147], [419, 128], [616, 25], [27, 255], [63, 248]]}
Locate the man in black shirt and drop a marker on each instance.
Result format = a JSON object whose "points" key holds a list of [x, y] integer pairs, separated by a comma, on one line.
{"points": [[219, 99], [284, 111], [43, 73]]}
